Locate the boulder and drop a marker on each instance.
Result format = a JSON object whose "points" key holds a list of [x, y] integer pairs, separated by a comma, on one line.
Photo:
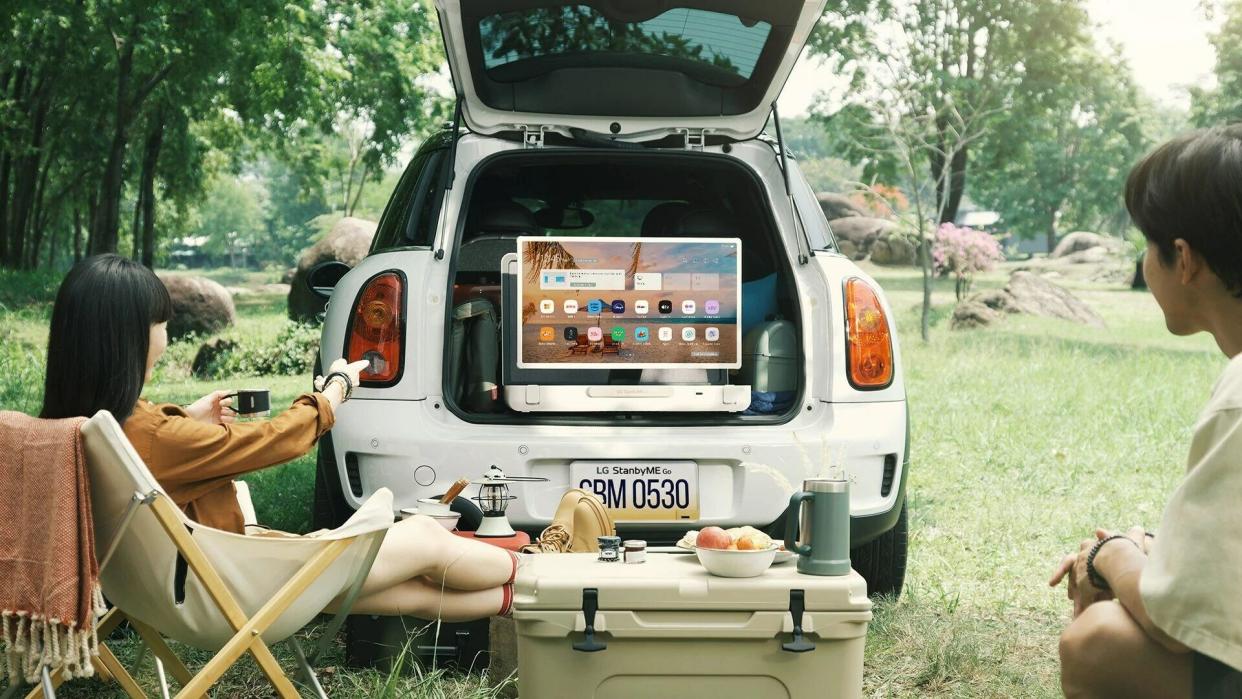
{"points": [[348, 242], [1091, 256], [208, 354], [1083, 240], [861, 231], [894, 250], [839, 206], [1025, 293], [970, 314], [850, 250], [199, 305]]}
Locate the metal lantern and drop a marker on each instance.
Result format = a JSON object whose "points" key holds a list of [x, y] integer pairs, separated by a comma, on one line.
{"points": [[494, 499]]}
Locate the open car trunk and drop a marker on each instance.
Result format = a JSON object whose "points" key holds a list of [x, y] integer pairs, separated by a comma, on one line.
{"points": [[612, 193], [628, 69]]}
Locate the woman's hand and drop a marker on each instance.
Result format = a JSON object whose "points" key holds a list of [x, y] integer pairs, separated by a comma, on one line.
{"points": [[334, 391], [215, 408], [1074, 569]]}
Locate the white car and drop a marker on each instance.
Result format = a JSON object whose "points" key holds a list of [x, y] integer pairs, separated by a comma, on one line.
{"points": [[639, 120]]}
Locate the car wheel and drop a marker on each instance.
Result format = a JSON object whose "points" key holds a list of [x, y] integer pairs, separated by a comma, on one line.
{"points": [[882, 561], [330, 509]]}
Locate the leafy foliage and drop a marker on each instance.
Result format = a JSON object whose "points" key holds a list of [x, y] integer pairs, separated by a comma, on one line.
{"points": [[291, 353], [963, 252]]}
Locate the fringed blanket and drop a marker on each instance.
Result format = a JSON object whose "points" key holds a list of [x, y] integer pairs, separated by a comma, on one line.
{"points": [[49, 579]]}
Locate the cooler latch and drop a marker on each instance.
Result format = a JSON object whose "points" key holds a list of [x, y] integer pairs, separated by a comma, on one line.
{"points": [[797, 605], [590, 605]]}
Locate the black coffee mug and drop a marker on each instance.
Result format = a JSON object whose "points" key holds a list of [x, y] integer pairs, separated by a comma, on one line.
{"points": [[253, 402]]}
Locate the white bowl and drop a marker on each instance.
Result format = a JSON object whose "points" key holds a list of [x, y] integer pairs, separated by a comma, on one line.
{"points": [[448, 521], [736, 564], [432, 506]]}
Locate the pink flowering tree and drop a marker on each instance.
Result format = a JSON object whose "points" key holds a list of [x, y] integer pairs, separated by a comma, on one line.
{"points": [[963, 252]]}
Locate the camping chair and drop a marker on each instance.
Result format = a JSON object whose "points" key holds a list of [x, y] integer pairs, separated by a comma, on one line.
{"points": [[169, 576], [580, 346]]}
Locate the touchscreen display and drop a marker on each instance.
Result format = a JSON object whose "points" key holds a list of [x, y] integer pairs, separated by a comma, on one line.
{"points": [[639, 303]]}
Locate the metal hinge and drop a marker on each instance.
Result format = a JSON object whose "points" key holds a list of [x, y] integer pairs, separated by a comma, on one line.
{"points": [[696, 139], [532, 135]]}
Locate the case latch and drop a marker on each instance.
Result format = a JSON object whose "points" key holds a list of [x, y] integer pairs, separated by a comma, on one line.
{"points": [[797, 605], [590, 605]]}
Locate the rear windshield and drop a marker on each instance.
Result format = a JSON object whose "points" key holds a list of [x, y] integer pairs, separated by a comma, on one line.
{"points": [[723, 41]]}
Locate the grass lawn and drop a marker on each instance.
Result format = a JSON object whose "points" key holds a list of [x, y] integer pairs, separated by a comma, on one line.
{"points": [[1025, 437]]}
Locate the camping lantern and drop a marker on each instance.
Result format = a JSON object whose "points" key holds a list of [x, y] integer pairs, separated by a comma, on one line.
{"points": [[494, 499]]}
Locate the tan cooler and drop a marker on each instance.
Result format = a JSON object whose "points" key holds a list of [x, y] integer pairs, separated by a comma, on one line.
{"points": [[665, 628]]}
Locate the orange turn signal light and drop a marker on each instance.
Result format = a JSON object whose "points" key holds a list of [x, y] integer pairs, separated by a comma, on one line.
{"points": [[375, 332], [869, 342]]}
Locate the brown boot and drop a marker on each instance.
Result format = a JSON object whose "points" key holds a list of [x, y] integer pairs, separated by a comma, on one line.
{"points": [[580, 518]]}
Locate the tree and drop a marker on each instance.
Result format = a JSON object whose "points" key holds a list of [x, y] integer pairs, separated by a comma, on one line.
{"points": [[981, 56], [231, 217], [1223, 103], [1078, 144]]}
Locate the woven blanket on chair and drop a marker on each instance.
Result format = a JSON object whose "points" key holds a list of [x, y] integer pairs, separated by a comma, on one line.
{"points": [[49, 578]]}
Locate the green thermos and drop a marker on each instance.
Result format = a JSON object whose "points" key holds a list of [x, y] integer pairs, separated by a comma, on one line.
{"points": [[817, 527]]}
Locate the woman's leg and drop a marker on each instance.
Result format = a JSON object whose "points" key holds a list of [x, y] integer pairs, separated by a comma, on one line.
{"points": [[418, 546], [428, 600], [1105, 653]]}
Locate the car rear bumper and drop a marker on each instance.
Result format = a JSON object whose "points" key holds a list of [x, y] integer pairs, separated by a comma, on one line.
{"points": [[745, 475]]}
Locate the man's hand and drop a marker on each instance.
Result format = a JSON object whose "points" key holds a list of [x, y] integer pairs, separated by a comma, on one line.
{"points": [[1079, 588], [215, 408]]}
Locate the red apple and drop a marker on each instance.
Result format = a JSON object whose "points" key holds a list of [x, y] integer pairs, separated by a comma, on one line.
{"points": [[714, 538]]}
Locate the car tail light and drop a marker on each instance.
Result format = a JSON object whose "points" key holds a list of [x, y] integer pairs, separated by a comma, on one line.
{"points": [[869, 343], [376, 329]]}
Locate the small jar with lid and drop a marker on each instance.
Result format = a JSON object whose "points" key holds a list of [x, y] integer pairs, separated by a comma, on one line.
{"points": [[609, 548], [635, 551]]}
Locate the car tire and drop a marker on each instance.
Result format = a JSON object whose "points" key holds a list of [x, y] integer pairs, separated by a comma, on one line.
{"points": [[329, 510], [882, 561]]}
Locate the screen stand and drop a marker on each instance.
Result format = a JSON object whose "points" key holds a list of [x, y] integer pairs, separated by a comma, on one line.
{"points": [[651, 398], [688, 376]]}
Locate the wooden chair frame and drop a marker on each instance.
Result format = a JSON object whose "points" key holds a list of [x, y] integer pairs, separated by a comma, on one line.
{"points": [[248, 630]]}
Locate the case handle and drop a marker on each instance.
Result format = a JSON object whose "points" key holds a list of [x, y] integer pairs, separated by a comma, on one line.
{"points": [[590, 605], [797, 605]]}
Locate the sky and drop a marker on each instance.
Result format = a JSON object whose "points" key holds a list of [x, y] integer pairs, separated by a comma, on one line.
{"points": [[1165, 42]]}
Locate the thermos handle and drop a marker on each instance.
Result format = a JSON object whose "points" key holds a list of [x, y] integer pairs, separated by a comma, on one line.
{"points": [[791, 523]]}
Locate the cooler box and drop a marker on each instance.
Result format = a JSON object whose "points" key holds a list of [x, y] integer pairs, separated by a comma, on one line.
{"points": [[665, 628]]}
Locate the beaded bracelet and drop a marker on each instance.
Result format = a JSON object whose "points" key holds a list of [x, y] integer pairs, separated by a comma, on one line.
{"points": [[346, 381], [1094, 575]]}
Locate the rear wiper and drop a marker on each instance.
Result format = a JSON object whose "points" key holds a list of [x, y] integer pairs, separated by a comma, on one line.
{"points": [[583, 137]]}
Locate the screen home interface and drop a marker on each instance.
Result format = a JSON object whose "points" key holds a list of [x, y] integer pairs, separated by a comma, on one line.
{"points": [[629, 302]]}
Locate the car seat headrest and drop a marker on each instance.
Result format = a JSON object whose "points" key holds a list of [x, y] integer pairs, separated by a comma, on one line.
{"points": [[705, 223], [504, 217]]}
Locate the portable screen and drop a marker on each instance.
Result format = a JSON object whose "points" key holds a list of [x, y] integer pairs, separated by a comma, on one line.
{"points": [[641, 303]]}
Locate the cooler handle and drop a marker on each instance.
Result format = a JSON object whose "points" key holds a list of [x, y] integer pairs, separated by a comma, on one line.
{"points": [[797, 605], [792, 515], [590, 605]]}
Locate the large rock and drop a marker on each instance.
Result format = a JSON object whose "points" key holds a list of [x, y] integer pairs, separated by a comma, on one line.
{"points": [[861, 231], [894, 250], [839, 206], [1025, 293], [348, 242], [199, 305], [1083, 240]]}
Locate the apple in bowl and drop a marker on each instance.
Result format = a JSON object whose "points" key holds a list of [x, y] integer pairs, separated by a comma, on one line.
{"points": [[747, 556]]}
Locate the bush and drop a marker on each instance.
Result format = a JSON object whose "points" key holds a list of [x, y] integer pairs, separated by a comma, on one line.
{"points": [[292, 352], [963, 252]]}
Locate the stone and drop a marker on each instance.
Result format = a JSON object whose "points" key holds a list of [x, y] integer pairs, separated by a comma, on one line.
{"points": [[1084, 240], [894, 250], [208, 353], [837, 205], [348, 242], [861, 232], [971, 314], [850, 250], [1027, 293], [1091, 256], [200, 305]]}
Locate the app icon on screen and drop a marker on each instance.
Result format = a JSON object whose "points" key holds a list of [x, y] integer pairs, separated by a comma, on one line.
{"points": [[571, 333], [712, 334], [641, 334], [570, 306], [712, 307], [640, 307], [687, 334], [687, 307], [666, 306], [595, 306], [618, 306], [666, 334], [618, 333], [547, 306], [595, 334], [547, 333]]}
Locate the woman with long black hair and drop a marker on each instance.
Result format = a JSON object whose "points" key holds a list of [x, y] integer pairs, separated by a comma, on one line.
{"points": [[109, 328]]}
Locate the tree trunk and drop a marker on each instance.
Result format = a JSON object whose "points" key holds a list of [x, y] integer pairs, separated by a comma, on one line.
{"points": [[135, 226], [957, 186], [150, 158], [77, 234], [105, 226], [362, 181], [1052, 232], [925, 263]]}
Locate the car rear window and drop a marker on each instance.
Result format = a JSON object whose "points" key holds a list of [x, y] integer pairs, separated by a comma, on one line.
{"points": [[723, 41]]}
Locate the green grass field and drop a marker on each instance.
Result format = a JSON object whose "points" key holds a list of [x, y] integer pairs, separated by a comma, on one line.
{"points": [[1025, 437]]}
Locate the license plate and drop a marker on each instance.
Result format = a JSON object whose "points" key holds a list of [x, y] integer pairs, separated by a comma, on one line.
{"points": [[641, 490]]}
